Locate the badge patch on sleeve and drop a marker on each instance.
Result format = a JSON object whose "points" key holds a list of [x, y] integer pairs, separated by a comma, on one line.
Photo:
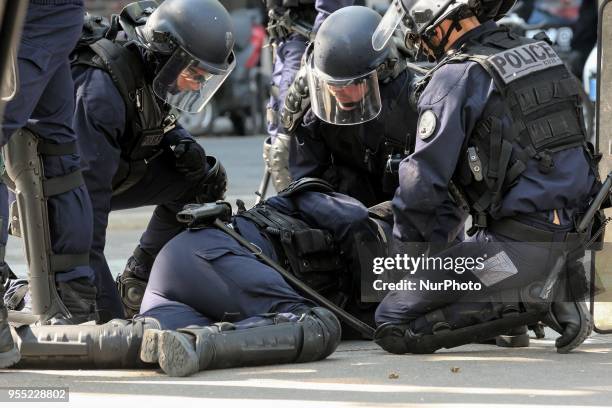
{"points": [[427, 124], [496, 269]]}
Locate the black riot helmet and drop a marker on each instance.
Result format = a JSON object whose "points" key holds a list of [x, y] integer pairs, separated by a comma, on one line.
{"points": [[343, 69], [195, 39], [418, 19]]}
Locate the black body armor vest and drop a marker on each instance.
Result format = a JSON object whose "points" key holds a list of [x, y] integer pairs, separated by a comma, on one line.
{"points": [[146, 118], [314, 257], [309, 253], [542, 99]]}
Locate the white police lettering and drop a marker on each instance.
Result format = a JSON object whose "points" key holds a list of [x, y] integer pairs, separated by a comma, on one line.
{"points": [[517, 62]]}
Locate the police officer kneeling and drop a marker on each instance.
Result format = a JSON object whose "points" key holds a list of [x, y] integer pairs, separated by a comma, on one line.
{"points": [[128, 90], [500, 123], [349, 109]]}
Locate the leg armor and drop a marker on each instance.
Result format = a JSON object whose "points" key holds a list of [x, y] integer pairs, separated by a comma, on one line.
{"points": [[25, 170], [186, 351], [276, 158], [115, 344], [434, 331]]}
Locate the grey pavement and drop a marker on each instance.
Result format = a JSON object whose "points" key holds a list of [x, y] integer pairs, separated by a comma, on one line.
{"points": [[358, 374]]}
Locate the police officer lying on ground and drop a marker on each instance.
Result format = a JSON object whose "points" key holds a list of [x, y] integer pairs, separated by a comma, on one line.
{"points": [[499, 117], [289, 48], [204, 275], [133, 152]]}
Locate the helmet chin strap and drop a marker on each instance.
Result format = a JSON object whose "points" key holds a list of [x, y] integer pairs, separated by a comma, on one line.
{"points": [[440, 49]]}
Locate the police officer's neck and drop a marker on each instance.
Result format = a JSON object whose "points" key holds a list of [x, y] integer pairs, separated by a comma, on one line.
{"points": [[467, 25]]}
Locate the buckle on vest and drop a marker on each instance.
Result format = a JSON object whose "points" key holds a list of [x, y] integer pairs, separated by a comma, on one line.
{"points": [[475, 163], [545, 161], [479, 221]]}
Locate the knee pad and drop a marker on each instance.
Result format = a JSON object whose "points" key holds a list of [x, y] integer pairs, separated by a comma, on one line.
{"points": [[25, 172], [132, 283]]}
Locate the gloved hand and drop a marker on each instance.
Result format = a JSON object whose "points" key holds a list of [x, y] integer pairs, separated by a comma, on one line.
{"points": [[215, 182], [190, 159]]}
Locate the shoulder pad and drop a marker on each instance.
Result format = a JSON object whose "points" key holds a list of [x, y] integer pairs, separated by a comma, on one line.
{"points": [[307, 184]]}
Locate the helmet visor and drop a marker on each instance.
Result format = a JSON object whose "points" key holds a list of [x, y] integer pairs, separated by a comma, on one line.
{"points": [[347, 101], [391, 22], [186, 83]]}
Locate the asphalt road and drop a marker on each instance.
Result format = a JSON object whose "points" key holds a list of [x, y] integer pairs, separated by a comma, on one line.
{"points": [[359, 374]]}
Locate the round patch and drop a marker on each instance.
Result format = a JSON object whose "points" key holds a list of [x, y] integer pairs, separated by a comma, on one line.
{"points": [[427, 124]]}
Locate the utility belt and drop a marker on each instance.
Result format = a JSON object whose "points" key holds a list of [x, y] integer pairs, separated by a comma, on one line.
{"points": [[309, 253], [519, 231]]}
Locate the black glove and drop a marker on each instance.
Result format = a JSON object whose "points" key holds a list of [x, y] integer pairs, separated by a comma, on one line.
{"points": [[215, 183], [190, 160]]}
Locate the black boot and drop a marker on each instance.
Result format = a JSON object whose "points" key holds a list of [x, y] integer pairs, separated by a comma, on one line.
{"points": [[186, 351], [133, 281], [9, 354], [573, 321], [459, 324], [115, 344], [79, 297]]}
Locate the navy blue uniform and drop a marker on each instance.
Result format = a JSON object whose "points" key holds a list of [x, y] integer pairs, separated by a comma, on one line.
{"points": [[459, 94], [354, 158], [204, 276], [45, 104], [99, 119]]}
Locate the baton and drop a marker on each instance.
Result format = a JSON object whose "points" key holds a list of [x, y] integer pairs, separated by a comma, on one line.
{"points": [[596, 204], [263, 187], [349, 319]]}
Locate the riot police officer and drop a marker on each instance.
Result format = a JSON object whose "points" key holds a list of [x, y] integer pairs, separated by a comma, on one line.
{"points": [[499, 123], [205, 275], [133, 151], [289, 46], [359, 119]]}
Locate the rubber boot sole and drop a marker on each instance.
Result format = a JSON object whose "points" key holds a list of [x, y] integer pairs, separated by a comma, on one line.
{"points": [[586, 327], [517, 337], [520, 340], [8, 358], [177, 356], [149, 349]]}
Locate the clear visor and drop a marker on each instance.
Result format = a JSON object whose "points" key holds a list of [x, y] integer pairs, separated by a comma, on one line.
{"points": [[389, 23], [8, 81], [186, 83], [345, 101]]}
